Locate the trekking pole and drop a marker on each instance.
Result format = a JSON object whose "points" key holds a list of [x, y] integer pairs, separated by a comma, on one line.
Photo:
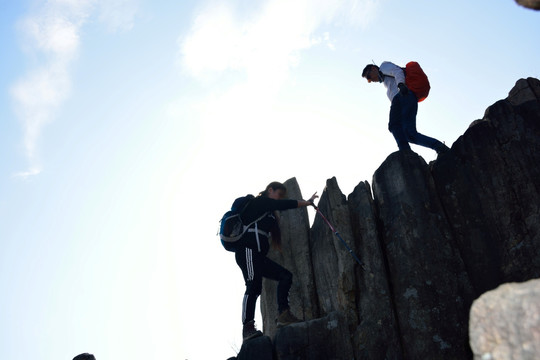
{"points": [[339, 236]]}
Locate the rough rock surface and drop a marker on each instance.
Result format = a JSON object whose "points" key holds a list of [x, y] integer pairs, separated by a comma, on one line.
{"points": [[505, 323], [432, 237], [260, 348], [531, 4], [319, 339], [431, 290]]}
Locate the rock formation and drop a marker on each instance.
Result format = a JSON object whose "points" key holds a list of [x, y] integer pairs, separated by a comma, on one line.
{"points": [[433, 237], [531, 4], [505, 323]]}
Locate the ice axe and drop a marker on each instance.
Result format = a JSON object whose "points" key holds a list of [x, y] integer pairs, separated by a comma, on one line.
{"points": [[339, 236]]}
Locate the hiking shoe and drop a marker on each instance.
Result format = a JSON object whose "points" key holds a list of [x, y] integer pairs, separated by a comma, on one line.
{"points": [[286, 318], [250, 331], [442, 149]]}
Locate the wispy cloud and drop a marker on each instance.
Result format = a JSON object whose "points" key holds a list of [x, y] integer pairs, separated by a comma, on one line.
{"points": [[118, 15], [268, 43], [51, 36]]}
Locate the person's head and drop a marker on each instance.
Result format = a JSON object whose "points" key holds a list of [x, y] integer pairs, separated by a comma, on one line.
{"points": [[371, 73], [85, 356], [275, 190]]}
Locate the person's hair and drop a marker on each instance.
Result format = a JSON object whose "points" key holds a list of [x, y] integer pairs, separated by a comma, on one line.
{"points": [[275, 230], [367, 69], [274, 185], [85, 356]]}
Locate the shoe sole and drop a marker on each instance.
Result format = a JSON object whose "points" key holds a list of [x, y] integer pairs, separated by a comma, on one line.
{"points": [[253, 336], [280, 324]]}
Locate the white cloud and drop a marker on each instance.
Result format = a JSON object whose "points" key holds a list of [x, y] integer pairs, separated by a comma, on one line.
{"points": [[52, 35], [27, 174], [38, 95], [118, 15], [267, 44]]}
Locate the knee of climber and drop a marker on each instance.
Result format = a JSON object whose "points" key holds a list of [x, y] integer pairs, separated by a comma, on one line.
{"points": [[254, 288], [286, 278], [410, 133]]}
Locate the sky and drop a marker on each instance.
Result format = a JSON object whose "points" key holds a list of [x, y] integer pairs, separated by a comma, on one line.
{"points": [[128, 127]]}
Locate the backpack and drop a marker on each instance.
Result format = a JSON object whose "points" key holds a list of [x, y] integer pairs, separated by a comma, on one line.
{"points": [[416, 80], [232, 227]]}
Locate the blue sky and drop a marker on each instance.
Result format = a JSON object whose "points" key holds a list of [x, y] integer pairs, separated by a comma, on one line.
{"points": [[129, 126]]}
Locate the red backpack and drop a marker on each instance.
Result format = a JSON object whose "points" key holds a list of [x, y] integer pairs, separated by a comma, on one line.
{"points": [[416, 80]]}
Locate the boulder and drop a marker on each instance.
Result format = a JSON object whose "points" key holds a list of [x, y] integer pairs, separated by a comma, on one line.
{"points": [[505, 323]]}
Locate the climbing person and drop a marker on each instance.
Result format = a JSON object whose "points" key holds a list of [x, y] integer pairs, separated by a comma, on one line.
{"points": [[84, 356], [251, 251], [403, 109]]}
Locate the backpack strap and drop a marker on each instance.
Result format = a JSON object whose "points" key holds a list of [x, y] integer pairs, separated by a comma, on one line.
{"points": [[402, 68], [257, 231]]}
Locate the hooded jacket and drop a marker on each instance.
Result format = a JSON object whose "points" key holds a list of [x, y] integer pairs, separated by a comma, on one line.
{"points": [[257, 236]]}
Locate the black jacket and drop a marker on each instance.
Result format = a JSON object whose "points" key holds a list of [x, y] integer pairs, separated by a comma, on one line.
{"points": [[258, 207]]}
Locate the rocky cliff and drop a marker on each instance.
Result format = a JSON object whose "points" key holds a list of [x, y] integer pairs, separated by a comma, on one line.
{"points": [[432, 237]]}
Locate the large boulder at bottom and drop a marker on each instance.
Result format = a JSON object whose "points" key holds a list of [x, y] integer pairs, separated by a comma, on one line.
{"points": [[505, 322], [326, 338], [259, 348]]}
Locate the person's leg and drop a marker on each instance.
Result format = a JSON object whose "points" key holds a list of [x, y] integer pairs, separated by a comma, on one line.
{"points": [[395, 126], [409, 111], [274, 271], [250, 262]]}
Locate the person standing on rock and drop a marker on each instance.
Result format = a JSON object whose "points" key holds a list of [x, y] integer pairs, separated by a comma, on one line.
{"points": [[251, 251], [85, 356], [403, 109]]}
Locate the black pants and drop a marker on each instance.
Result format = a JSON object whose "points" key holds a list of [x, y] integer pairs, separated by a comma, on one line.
{"points": [[254, 267], [403, 123]]}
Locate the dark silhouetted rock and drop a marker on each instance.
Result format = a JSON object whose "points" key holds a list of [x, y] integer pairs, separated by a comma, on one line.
{"points": [[531, 4], [259, 348], [376, 336], [489, 185], [326, 338], [431, 238], [431, 289]]}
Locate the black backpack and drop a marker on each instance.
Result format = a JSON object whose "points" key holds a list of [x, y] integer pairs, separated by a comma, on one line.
{"points": [[232, 227]]}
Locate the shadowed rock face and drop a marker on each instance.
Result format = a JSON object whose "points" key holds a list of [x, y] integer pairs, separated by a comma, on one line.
{"points": [[432, 237]]}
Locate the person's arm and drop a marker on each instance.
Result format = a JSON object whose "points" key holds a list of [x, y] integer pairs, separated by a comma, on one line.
{"points": [[266, 204], [303, 203], [390, 69]]}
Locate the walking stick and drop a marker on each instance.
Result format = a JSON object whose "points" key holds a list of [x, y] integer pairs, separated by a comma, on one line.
{"points": [[339, 236]]}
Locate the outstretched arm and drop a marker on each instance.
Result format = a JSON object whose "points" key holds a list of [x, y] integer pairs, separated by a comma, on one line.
{"points": [[303, 203]]}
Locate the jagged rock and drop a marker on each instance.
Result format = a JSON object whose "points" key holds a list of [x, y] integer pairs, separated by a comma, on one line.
{"points": [[321, 339], [524, 91], [256, 349], [333, 266], [489, 185], [531, 4], [431, 289], [505, 323], [376, 336], [432, 238]]}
